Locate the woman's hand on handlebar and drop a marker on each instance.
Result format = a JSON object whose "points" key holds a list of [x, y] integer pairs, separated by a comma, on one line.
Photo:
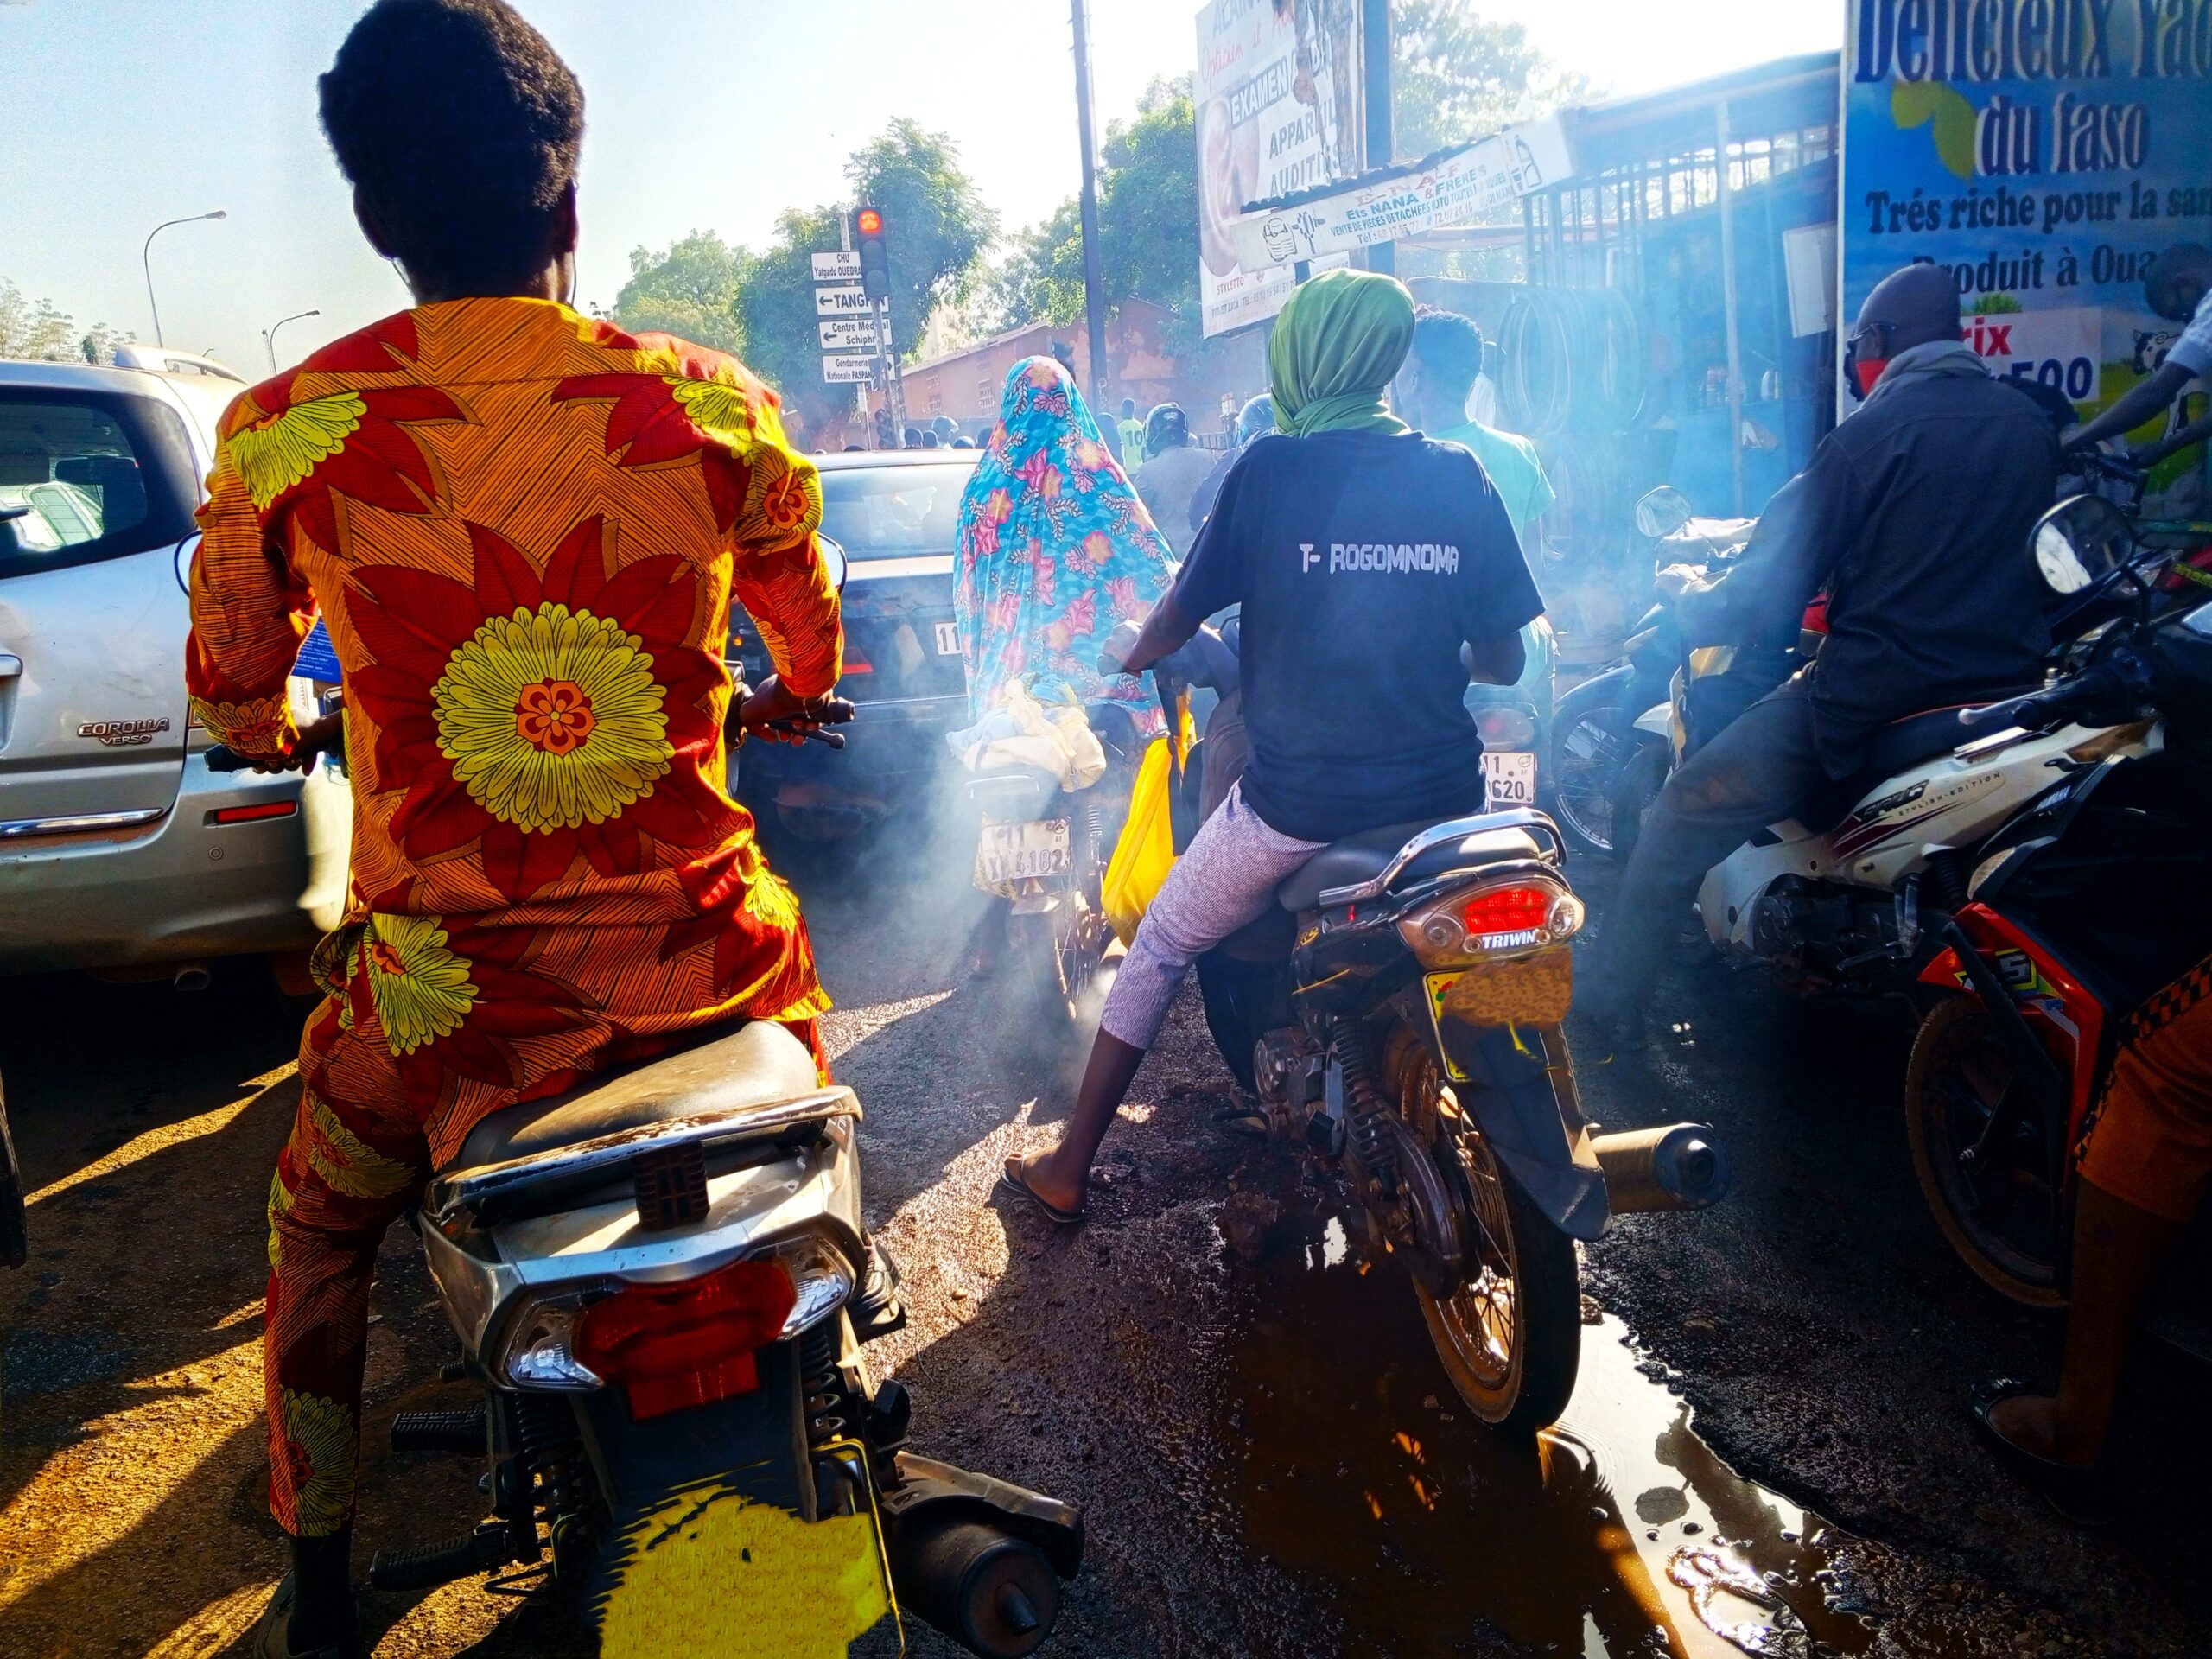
{"points": [[776, 715]]}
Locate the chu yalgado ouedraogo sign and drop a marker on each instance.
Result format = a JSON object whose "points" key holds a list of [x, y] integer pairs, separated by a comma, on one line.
{"points": [[2042, 151]]}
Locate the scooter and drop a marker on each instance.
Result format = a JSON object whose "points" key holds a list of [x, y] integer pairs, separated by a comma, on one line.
{"points": [[1405, 1033], [662, 1285], [2085, 903]]}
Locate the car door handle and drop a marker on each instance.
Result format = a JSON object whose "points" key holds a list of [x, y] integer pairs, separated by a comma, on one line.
{"points": [[10, 666]]}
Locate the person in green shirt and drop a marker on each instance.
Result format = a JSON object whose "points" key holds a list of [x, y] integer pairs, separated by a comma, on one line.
{"points": [[1431, 392]]}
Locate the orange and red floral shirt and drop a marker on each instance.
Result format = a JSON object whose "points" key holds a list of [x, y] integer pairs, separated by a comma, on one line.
{"points": [[523, 528]]}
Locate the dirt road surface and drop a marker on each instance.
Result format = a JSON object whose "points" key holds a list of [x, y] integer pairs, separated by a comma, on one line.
{"points": [[1270, 1458]]}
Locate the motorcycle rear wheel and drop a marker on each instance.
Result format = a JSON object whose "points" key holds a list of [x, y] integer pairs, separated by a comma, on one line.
{"points": [[1057, 962], [1636, 792], [2002, 1219], [1510, 1336]]}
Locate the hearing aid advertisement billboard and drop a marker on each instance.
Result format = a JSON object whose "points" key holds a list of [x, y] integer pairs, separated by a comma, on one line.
{"points": [[2042, 151]]}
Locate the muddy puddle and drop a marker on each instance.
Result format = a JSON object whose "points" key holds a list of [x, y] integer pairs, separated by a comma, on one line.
{"points": [[1619, 1535]]}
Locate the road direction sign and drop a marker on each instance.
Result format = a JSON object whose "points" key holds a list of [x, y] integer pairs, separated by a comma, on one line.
{"points": [[841, 302], [841, 265], [848, 334], [848, 371]]}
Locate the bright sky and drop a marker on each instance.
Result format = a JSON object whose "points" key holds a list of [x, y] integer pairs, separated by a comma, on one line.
{"points": [[714, 114]]}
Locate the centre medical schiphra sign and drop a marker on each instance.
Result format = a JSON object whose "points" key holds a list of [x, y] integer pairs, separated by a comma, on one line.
{"points": [[2044, 152]]}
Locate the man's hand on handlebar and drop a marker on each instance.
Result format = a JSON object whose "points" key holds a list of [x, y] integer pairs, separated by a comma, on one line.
{"points": [[1113, 650], [776, 715]]}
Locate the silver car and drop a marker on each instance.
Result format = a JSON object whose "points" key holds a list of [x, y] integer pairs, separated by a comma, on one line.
{"points": [[119, 851]]}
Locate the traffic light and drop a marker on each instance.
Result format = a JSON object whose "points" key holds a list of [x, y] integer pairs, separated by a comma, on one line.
{"points": [[875, 264]]}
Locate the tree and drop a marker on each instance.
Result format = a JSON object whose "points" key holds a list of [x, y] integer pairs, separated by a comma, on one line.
{"points": [[1455, 75], [776, 307], [688, 289], [34, 329], [1147, 227], [937, 225]]}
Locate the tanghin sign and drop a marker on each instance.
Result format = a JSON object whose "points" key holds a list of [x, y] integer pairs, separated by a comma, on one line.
{"points": [[2042, 151]]}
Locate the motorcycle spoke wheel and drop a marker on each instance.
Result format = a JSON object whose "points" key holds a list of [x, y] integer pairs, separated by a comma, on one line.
{"points": [[1586, 758], [1979, 1154], [1510, 1334]]}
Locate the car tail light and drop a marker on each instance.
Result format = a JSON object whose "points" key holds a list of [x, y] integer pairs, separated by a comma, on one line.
{"points": [[253, 814], [1501, 726], [678, 1344], [687, 1343], [1466, 925]]}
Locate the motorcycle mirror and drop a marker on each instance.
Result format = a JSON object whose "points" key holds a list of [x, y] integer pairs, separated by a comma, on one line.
{"points": [[1663, 511], [833, 559], [2080, 542]]}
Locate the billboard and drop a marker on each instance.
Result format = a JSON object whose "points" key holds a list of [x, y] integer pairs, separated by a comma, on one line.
{"points": [[1277, 91], [2042, 151]]}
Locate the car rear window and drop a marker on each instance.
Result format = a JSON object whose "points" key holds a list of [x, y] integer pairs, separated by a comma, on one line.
{"points": [[87, 476], [889, 512]]}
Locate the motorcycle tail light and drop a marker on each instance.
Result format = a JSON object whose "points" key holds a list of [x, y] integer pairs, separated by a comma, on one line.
{"points": [[1505, 727], [1465, 927], [691, 1343]]}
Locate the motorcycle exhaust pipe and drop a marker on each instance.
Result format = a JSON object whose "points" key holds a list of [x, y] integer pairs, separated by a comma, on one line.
{"points": [[994, 1595], [1676, 1167]]}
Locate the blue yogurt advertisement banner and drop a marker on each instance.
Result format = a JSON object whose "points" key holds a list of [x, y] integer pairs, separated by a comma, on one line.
{"points": [[2044, 152]]}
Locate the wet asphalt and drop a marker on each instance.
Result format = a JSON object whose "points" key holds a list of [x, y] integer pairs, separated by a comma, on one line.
{"points": [[1269, 1459]]}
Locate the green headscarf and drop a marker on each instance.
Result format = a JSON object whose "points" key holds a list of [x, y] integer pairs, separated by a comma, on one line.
{"points": [[1335, 347]]}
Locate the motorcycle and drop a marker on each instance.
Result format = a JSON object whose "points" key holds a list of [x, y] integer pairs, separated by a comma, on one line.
{"points": [[2091, 898], [1405, 1033], [1604, 726], [1397, 1017], [1043, 849], [662, 1285]]}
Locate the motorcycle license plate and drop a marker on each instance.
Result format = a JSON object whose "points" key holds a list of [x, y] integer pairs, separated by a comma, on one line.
{"points": [[1021, 852], [1509, 779]]}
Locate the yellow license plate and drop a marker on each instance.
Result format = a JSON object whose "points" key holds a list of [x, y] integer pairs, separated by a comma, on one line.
{"points": [[711, 1572]]}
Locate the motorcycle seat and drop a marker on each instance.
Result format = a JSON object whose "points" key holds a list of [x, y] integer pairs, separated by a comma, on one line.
{"points": [[1366, 855], [759, 1064], [1898, 745]]}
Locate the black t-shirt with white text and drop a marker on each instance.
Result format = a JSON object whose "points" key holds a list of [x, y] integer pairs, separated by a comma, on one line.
{"points": [[1361, 561]]}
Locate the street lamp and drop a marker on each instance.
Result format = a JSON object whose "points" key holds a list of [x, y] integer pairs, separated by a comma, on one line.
{"points": [[269, 334], [145, 258]]}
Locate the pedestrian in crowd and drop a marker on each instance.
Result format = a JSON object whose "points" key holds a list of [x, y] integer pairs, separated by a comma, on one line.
{"points": [[1914, 516], [1433, 392], [1323, 649], [1063, 354], [2146, 1163], [911, 438], [1173, 469], [946, 428], [1255, 418], [963, 441], [1052, 551], [1130, 431], [932, 441], [526, 603]]}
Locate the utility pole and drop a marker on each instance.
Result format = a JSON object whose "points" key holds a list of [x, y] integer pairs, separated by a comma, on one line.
{"points": [[1379, 136], [1094, 278]]}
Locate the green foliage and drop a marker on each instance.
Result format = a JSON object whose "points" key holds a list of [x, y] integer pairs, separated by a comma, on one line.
{"points": [[1455, 75], [35, 328], [935, 224], [688, 289], [777, 307], [760, 306]]}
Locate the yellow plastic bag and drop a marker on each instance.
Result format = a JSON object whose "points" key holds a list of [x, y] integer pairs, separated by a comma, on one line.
{"points": [[1146, 851]]}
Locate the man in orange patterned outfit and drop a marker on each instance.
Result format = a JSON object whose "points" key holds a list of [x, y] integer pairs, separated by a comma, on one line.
{"points": [[524, 529]]}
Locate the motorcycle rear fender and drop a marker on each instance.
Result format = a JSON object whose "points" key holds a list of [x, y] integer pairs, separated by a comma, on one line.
{"points": [[1599, 688], [1658, 720], [1520, 1094], [2067, 1017]]}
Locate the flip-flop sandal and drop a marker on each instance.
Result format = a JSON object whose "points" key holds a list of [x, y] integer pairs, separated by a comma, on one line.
{"points": [[2081, 1494], [1013, 1182], [1243, 1120]]}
